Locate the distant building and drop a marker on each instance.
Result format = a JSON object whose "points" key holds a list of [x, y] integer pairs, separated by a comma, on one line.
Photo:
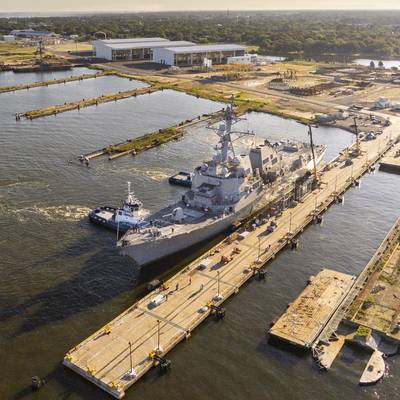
{"points": [[396, 107], [9, 38], [31, 34], [245, 59], [195, 54], [132, 49], [382, 102]]}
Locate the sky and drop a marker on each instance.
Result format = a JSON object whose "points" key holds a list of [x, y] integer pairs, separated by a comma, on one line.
{"points": [[172, 5]]}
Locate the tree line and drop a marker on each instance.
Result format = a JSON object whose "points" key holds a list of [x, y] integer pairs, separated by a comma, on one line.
{"points": [[277, 33]]}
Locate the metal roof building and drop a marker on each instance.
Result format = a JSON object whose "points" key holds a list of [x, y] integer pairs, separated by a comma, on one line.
{"points": [[195, 54], [132, 49]]}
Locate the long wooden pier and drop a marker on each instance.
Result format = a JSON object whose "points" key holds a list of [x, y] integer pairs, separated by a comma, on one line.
{"points": [[73, 78], [77, 105], [120, 353], [150, 140]]}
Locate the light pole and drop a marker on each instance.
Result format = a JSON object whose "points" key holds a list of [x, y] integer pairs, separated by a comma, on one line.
{"points": [[130, 355], [218, 284], [158, 335], [290, 223]]}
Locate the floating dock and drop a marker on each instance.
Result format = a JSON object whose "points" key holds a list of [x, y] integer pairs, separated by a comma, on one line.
{"points": [[120, 353], [391, 162], [148, 141], [305, 318], [77, 105], [73, 78], [370, 315]]}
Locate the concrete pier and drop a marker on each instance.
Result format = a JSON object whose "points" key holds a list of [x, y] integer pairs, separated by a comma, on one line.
{"points": [[370, 312], [73, 78], [391, 162], [305, 318], [160, 320], [77, 105]]}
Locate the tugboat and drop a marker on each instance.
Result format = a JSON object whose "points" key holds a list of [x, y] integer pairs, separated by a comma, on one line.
{"points": [[130, 215]]}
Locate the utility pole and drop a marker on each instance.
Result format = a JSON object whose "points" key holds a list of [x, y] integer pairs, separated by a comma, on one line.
{"points": [[158, 335]]}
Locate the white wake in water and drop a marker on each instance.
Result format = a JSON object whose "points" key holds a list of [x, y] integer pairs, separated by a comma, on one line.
{"points": [[69, 212]]}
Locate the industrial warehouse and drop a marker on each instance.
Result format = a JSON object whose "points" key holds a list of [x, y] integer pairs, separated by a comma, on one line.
{"points": [[164, 51], [196, 54], [132, 49]]}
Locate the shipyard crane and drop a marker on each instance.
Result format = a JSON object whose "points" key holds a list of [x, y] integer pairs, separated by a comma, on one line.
{"points": [[357, 136], [313, 155]]}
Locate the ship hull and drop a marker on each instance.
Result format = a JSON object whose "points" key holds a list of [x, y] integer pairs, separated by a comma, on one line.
{"points": [[149, 252]]}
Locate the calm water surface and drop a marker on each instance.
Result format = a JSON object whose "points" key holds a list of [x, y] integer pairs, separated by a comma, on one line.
{"points": [[63, 279], [25, 100]]}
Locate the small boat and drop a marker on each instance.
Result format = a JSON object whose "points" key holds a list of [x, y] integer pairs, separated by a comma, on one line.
{"points": [[182, 179], [130, 215]]}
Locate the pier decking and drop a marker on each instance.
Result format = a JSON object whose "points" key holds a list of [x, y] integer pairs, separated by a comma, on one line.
{"points": [[391, 162], [150, 140], [308, 314], [77, 105], [160, 320]]}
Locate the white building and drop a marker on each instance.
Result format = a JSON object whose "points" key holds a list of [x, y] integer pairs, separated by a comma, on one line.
{"points": [[9, 38], [245, 59], [132, 49], [195, 54], [382, 102]]}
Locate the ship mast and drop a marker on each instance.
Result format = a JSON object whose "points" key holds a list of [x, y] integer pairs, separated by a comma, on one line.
{"points": [[225, 133]]}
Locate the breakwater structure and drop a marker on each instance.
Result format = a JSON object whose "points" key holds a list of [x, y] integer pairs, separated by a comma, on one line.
{"points": [[77, 105], [121, 352], [32, 85], [148, 141]]}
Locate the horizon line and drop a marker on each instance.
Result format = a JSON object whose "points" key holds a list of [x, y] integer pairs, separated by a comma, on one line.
{"points": [[198, 10]]}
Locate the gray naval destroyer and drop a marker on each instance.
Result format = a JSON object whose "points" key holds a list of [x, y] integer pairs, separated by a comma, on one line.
{"points": [[225, 190]]}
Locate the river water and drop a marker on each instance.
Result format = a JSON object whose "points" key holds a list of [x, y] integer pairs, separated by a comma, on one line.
{"points": [[62, 277]]}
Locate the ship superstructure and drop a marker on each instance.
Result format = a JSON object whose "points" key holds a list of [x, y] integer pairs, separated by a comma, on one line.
{"points": [[225, 190]]}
